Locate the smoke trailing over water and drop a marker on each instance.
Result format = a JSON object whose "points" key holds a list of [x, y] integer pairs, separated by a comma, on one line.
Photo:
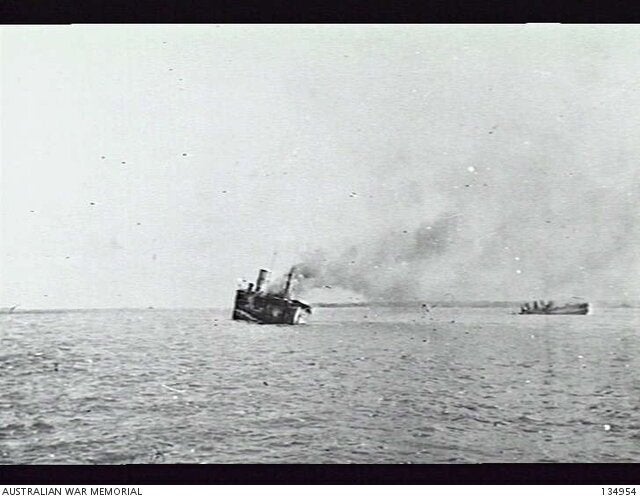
{"points": [[521, 224], [392, 268]]}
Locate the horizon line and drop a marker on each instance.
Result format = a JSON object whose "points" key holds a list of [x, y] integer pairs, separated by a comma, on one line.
{"points": [[372, 303]]}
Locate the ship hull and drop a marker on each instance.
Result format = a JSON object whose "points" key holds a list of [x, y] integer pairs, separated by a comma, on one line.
{"points": [[268, 309], [556, 312], [566, 310]]}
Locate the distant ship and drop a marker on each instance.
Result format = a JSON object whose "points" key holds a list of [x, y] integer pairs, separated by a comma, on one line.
{"points": [[8, 310], [255, 303], [550, 308]]}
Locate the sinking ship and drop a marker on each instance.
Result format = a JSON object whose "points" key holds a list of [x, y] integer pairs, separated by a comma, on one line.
{"points": [[550, 308], [256, 303]]}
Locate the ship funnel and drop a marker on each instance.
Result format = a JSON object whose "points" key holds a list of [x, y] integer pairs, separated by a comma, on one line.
{"points": [[287, 287], [263, 277]]}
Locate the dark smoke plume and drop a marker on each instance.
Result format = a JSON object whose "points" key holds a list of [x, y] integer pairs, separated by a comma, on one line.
{"points": [[390, 268]]}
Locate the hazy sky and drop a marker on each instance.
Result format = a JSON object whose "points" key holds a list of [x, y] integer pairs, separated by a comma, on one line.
{"points": [[154, 165]]}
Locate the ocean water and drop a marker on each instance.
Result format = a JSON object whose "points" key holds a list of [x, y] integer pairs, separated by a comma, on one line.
{"points": [[355, 385]]}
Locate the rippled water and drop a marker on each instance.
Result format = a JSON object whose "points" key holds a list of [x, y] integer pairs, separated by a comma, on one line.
{"points": [[355, 385]]}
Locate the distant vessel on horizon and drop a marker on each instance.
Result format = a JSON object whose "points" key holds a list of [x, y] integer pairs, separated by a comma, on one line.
{"points": [[8, 310], [550, 308], [254, 303]]}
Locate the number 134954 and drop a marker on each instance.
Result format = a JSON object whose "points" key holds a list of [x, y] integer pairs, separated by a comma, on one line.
{"points": [[618, 491]]}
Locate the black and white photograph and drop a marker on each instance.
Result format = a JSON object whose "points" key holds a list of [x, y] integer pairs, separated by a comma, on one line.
{"points": [[319, 244]]}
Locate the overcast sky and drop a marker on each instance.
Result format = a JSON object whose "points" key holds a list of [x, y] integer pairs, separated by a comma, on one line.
{"points": [[154, 165]]}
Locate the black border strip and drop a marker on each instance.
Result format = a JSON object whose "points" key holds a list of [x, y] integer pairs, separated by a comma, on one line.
{"points": [[314, 11], [473, 474]]}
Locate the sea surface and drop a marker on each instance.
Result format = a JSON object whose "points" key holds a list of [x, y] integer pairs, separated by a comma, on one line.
{"points": [[355, 385]]}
